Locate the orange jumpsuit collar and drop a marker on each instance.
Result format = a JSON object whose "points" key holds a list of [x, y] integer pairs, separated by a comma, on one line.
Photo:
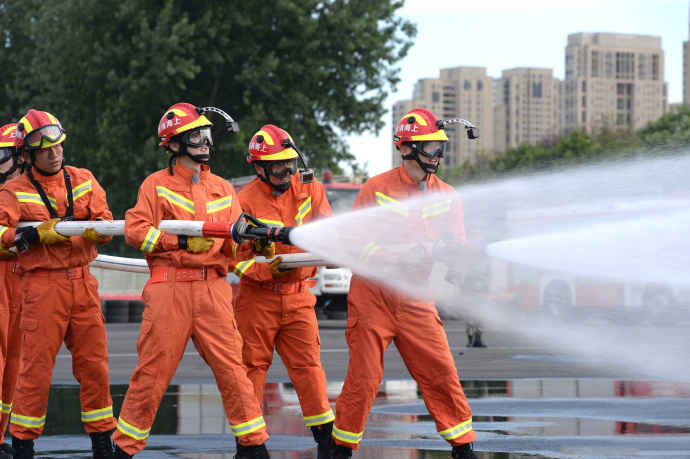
{"points": [[187, 174]]}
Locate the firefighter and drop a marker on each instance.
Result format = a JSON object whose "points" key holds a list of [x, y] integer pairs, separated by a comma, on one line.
{"points": [[60, 300], [377, 315], [274, 308], [10, 333], [187, 295]]}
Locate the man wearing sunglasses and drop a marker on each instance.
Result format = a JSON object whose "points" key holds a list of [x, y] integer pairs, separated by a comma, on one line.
{"points": [[274, 308], [60, 301], [378, 316]]}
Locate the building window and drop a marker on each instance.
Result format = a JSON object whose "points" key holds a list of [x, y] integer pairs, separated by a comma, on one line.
{"points": [[584, 85], [467, 85], [435, 97], [595, 64], [480, 85], [537, 89], [625, 66], [608, 64], [655, 67], [642, 67], [584, 116], [584, 101]]}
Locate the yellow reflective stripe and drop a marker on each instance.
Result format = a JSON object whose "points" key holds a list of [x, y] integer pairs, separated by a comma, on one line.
{"points": [[80, 190], [271, 222], [2, 231], [248, 427], [97, 415], [218, 204], [241, 267], [27, 421], [150, 240], [303, 210], [5, 408], [319, 419], [369, 250], [347, 437], [131, 431], [175, 199], [394, 205], [288, 153], [35, 198], [437, 209], [457, 431]]}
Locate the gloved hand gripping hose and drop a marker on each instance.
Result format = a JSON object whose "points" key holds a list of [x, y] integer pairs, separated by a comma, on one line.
{"points": [[248, 228]]}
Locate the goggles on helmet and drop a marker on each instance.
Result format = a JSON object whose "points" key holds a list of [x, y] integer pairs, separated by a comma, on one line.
{"points": [[431, 150], [50, 133], [198, 137], [6, 154]]}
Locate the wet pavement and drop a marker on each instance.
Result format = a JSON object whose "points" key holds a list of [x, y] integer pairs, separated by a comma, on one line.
{"points": [[518, 418]]}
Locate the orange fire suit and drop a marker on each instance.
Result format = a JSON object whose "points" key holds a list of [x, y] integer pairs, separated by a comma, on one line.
{"points": [[377, 316], [59, 302], [187, 296], [278, 313], [10, 339]]}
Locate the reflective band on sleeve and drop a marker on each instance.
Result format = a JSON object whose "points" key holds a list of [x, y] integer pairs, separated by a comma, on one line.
{"points": [[5, 408], [218, 204], [457, 431], [27, 421], [34, 198], [97, 415], [175, 199], [271, 222], [131, 431], [368, 251], [150, 240], [248, 427], [437, 209], [347, 437], [394, 205], [303, 210], [2, 230], [319, 419], [243, 266], [80, 190]]}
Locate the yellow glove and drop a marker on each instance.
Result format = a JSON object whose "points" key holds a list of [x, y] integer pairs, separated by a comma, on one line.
{"points": [[199, 244], [47, 234], [276, 271], [267, 250], [90, 234], [7, 254]]}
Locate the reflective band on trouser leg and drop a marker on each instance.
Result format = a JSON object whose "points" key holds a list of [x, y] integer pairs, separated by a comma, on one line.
{"points": [[131, 431], [28, 421], [248, 427], [97, 415], [319, 419], [347, 437], [457, 431]]}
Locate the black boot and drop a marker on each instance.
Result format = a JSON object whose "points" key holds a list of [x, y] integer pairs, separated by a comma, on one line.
{"points": [[6, 451], [342, 452], [119, 454], [463, 452], [23, 449], [322, 437], [102, 445], [252, 452]]}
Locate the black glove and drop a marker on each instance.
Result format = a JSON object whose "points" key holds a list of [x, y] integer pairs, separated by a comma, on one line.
{"points": [[25, 237]]}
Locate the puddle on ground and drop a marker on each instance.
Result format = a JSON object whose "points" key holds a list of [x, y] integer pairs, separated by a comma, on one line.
{"points": [[514, 419]]}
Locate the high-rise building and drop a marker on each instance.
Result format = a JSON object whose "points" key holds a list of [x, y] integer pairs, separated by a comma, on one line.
{"points": [[613, 81], [400, 109], [527, 108], [686, 69]]}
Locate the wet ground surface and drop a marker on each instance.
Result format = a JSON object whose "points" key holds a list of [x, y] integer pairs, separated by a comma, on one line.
{"points": [[518, 418]]}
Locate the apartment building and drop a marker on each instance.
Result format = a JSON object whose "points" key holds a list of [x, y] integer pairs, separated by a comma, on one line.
{"points": [[613, 81]]}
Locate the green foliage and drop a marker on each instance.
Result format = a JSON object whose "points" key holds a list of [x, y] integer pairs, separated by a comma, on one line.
{"points": [[109, 69]]}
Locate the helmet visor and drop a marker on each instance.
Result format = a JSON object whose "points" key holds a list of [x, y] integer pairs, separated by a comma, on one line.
{"points": [[432, 149], [45, 136], [282, 169], [199, 137]]}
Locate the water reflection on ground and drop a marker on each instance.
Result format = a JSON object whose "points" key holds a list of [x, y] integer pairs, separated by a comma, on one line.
{"points": [[549, 418]]}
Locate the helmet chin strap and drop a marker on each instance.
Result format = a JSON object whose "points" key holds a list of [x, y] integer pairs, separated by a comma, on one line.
{"points": [[41, 171], [281, 187], [5, 175], [201, 159], [426, 167]]}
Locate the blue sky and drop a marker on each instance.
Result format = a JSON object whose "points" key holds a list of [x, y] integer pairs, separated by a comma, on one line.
{"points": [[501, 34]]}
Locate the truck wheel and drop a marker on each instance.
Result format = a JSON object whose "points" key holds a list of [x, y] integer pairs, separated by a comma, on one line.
{"points": [[117, 311]]}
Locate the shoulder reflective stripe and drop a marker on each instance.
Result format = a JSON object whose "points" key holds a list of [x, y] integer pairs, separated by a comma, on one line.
{"points": [[319, 419], [5, 408], [175, 199], [218, 204], [369, 250], [97, 415], [271, 222], [393, 204], [347, 437], [437, 208], [34, 198], [150, 240], [457, 431], [80, 190], [248, 427], [27, 421], [303, 210], [243, 266], [2, 231], [131, 431]]}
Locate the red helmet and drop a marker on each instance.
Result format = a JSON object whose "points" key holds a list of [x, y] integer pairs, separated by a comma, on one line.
{"points": [[8, 136], [418, 125], [179, 118], [271, 143], [38, 130]]}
